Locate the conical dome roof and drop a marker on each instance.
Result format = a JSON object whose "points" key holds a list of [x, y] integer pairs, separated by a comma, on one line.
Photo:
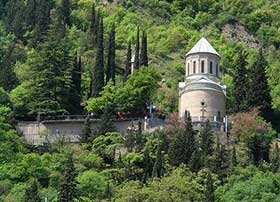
{"points": [[203, 46]]}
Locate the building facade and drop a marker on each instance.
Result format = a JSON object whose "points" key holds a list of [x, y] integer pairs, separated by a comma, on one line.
{"points": [[202, 94]]}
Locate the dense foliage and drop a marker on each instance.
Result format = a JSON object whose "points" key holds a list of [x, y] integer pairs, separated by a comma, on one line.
{"points": [[76, 57]]}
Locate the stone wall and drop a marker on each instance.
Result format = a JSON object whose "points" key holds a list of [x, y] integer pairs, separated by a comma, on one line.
{"points": [[64, 130]]}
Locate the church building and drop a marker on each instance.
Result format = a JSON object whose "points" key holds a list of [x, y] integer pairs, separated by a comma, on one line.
{"points": [[202, 94]]}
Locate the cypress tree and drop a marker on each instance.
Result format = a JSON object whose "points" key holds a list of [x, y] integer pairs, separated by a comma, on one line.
{"points": [[43, 21], [15, 18], [98, 70], [147, 165], [111, 66], [137, 50], [106, 123], [182, 146], [144, 50], [31, 7], [108, 191], [31, 193], [209, 191], [92, 18], [86, 132], [96, 26], [67, 189], [196, 160], [275, 160], [158, 165], [233, 157], [127, 71], [220, 161], [93, 27], [240, 84], [207, 140], [7, 69], [75, 93], [259, 91], [66, 9], [50, 73]]}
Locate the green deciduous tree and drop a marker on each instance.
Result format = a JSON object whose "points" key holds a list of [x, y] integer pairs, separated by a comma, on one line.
{"points": [[106, 146]]}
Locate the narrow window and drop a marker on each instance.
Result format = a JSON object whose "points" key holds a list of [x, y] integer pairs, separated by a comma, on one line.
{"points": [[217, 70], [211, 67], [202, 66], [194, 67], [219, 116], [188, 69]]}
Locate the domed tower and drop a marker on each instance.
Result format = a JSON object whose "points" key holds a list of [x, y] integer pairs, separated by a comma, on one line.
{"points": [[202, 94]]}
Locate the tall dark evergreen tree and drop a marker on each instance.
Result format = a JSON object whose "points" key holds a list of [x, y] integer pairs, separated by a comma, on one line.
{"points": [[259, 91], [68, 186], [147, 165], [86, 132], [7, 63], [31, 193], [209, 191], [108, 191], [50, 73], [111, 64], [15, 18], [75, 92], [220, 160], [98, 70], [93, 27], [182, 146], [31, 7], [106, 123], [42, 22], [66, 10], [92, 18], [233, 157], [128, 63], [275, 160], [240, 83], [96, 26], [207, 140], [137, 50], [158, 165], [144, 50]]}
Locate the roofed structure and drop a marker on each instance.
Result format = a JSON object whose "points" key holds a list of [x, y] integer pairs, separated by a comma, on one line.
{"points": [[203, 46]]}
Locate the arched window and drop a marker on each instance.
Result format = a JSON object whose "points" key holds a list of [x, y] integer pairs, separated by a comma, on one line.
{"points": [[188, 69], [202, 66], [217, 70], [194, 67], [211, 67]]}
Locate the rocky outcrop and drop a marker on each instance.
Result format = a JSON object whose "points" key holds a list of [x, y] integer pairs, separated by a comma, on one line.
{"points": [[239, 33]]}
